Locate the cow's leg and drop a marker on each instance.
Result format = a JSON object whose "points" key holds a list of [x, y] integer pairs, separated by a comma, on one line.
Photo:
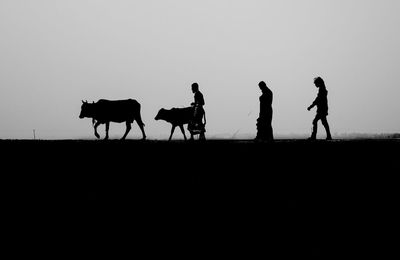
{"points": [[183, 131], [141, 126], [128, 128], [107, 128], [139, 121], [95, 129], [172, 132]]}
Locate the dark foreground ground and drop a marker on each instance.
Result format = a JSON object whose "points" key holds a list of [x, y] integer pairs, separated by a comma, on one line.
{"points": [[213, 199]]}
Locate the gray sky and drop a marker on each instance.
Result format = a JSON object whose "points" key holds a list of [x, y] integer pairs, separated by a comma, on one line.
{"points": [[55, 53]]}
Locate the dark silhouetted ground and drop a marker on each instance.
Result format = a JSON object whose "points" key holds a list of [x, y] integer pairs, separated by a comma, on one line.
{"points": [[291, 198]]}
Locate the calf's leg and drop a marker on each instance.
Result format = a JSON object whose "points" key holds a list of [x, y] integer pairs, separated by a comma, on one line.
{"points": [[183, 131], [95, 129], [107, 128], [172, 132]]}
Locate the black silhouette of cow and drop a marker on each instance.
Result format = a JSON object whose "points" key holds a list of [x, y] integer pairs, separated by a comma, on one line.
{"points": [[106, 111], [179, 117]]}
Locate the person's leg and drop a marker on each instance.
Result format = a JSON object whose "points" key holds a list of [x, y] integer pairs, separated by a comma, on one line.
{"points": [[315, 127], [199, 117], [270, 135], [258, 128], [326, 125], [261, 129], [195, 115]]}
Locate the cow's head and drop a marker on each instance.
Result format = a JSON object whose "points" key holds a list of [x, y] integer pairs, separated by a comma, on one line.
{"points": [[160, 114], [86, 109]]}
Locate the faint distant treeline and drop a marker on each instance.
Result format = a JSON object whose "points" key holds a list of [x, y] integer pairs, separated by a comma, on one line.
{"points": [[368, 136], [245, 136]]}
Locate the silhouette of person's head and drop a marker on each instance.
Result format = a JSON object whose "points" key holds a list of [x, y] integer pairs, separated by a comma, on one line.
{"points": [[319, 82], [263, 86], [195, 87]]}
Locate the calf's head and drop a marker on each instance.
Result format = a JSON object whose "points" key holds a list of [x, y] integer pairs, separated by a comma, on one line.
{"points": [[161, 114], [86, 110]]}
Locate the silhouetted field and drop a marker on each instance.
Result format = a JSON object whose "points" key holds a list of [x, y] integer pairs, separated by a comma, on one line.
{"points": [[213, 199]]}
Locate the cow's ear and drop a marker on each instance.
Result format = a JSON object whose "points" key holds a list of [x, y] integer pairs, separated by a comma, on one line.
{"points": [[83, 102]]}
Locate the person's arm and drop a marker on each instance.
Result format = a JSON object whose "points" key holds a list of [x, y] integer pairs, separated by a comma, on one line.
{"points": [[202, 103], [315, 102], [312, 105], [194, 101], [198, 99]]}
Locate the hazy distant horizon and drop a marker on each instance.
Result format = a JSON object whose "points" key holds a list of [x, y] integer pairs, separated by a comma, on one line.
{"points": [[221, 136], [56, 53]]}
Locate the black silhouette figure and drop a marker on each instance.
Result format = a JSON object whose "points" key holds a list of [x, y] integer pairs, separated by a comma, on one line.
{"points": [[196, 125], [106, 111], [176, 117], [322, 109], [264, 121]]}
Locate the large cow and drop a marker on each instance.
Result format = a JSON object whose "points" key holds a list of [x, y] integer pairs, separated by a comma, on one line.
{"points": [[106, 111], [179, 117]]}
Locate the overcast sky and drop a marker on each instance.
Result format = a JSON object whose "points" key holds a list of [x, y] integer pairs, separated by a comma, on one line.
{"points": [[55, 53]]}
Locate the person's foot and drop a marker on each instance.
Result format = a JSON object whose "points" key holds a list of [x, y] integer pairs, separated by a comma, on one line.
{"points": [[329, 138], [312, 138]]}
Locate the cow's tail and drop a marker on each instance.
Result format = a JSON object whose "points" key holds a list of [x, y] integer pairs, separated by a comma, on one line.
{"points": [[204, 114]]}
